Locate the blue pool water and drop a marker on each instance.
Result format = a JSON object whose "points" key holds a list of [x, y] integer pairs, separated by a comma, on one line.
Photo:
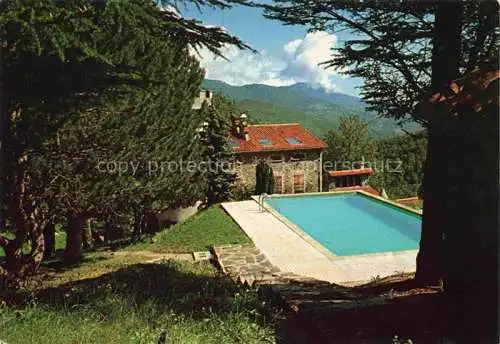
{"points": [[351, 224]]}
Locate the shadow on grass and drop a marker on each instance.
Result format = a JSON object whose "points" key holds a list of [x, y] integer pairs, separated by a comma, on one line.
{"points": [[189, 289]]}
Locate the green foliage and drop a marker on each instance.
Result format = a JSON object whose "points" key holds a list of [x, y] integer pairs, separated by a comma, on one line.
{"points": [[349, 144], [242, 192], [207, 228], [121, 85], [260, 112], [400, 165], [264, 179], [218, 154], [398, 160]]}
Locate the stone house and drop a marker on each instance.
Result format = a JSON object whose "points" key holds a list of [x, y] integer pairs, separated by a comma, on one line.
{"points": [[294, 154]]}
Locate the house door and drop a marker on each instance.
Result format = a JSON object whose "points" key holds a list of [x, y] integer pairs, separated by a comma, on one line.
{"points": [[278, 184], [298, 183]]}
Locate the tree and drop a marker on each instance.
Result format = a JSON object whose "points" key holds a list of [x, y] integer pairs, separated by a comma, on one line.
{"points": [[84, 51], [392, 44], [399, 164], [218, 155], [469, 112], [407, 51], [132, 126], [264, 178], [350, 144]]}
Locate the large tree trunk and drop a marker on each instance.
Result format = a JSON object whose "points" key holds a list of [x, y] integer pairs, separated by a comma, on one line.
{"points": [[32, 262], [87, 235], [109, 229], [429, 258], [17, 264], [14, 256], [20, 209], [73, 252], [471, 235], [151, 224], [14, 180], [49, 237], [136, 234], [445, 68]]}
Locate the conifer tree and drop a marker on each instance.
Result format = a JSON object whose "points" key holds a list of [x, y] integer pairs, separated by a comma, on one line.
{"points": [[349, 144], [264, 178], [62, 60], [218, 155]]}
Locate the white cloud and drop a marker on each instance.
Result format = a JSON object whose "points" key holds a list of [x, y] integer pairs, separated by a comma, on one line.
{"points": [[303, 58], [243, 67], [170, 8], [300, 63]]}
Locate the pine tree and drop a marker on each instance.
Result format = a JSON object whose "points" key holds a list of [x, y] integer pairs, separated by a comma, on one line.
{"points": [[63, 61], [218, 155], [264, 178], [399, 164], [350, 144]]}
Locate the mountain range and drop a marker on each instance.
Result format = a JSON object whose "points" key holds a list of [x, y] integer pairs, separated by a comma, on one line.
{"points": [[316, 109]]}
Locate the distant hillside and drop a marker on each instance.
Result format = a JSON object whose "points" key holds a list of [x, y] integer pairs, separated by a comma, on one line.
{"points": [[314, 108], [332, 97], [263, 112]]}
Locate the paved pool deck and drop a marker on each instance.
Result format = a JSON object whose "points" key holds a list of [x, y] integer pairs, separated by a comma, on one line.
{"points": [[291, 252]]}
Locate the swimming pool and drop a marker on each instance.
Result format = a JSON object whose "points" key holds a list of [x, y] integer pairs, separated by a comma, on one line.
{"points": [[351, 224]]}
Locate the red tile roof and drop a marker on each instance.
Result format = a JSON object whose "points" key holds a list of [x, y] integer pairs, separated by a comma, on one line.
{"points": [[277, 135], [353, 172], [366, 188], [410, 201]]}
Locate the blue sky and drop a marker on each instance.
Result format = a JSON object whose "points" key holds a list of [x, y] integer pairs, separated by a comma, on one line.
{"points": [[287, 54]]}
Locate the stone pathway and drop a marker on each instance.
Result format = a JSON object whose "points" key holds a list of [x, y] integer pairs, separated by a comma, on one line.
{"points": [[246, 264]]}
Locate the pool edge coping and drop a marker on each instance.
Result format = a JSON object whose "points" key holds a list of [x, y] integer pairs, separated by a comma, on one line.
{"points": [[318, 246]]}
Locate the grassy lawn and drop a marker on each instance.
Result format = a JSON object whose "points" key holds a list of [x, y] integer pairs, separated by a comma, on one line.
{"points": [[135, 303], [114, 297], [209, 227]]}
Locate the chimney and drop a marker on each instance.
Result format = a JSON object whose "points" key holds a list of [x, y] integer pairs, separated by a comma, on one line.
{"points": [[235, 125], [204, 95], [239, 126], [244, 127]]}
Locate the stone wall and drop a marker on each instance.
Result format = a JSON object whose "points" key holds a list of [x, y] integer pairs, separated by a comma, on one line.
{"points": [[309, 165], [177, 215]]}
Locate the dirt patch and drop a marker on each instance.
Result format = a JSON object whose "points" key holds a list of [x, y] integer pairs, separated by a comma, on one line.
{"points": [[150, 256]]}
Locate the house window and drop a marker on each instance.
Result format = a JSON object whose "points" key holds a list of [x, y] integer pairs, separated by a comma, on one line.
{"points": [[278, 184], [298, 183], [293, 140], [265, 141], [297, 157], [276, 158]]}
